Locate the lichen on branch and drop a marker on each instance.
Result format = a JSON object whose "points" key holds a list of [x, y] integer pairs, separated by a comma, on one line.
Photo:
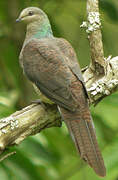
{"points": [[28, 121], [93, 28]]}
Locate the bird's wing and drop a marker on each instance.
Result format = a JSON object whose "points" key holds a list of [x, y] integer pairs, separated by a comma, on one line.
{"points": [[45, 65], [68, 50]]}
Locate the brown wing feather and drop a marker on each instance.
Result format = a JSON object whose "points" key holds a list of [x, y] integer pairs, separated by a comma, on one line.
{"points": [[69, 52], [72, 61], [45, 65]]}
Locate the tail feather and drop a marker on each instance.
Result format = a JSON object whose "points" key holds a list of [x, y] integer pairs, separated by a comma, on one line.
{"points": [[82, 131]]}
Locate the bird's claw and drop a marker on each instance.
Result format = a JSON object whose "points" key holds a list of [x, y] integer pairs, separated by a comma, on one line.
{"points": [[38, 101]]}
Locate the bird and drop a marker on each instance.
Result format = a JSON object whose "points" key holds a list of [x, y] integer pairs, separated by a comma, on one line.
{"points": [[51, 64]]}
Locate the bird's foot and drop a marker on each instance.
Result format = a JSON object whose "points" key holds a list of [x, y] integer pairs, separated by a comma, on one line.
{"points": [[38, 101]]}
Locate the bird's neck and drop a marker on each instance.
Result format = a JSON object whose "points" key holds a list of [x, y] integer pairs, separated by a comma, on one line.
{"points": [[38, 30]]}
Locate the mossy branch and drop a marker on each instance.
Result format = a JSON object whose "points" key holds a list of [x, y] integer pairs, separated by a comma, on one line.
{"points": [[98, 64], [101, 77], [28, 121]]}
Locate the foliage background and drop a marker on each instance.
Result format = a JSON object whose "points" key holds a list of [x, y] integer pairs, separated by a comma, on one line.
{"points": [[51, 154]]}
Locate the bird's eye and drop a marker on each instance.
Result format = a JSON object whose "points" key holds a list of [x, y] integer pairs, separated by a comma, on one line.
{"points": [[31, 13]]}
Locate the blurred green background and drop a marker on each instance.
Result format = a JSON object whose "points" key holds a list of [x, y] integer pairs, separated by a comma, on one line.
{"points": [[51, 154]]}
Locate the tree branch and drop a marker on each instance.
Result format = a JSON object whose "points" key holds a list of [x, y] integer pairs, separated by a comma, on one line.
{"points": [[100, 77], [28, 121], [98, 88], [98, 63]]}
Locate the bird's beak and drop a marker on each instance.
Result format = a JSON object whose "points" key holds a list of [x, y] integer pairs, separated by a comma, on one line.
{"points": [[18, 20]]}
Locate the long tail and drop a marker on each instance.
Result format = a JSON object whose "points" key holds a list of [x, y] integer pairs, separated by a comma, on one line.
{"points": [[81, 128]]}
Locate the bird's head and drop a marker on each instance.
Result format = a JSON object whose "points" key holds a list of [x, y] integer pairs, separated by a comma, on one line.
{"points": [[31, 14]]}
